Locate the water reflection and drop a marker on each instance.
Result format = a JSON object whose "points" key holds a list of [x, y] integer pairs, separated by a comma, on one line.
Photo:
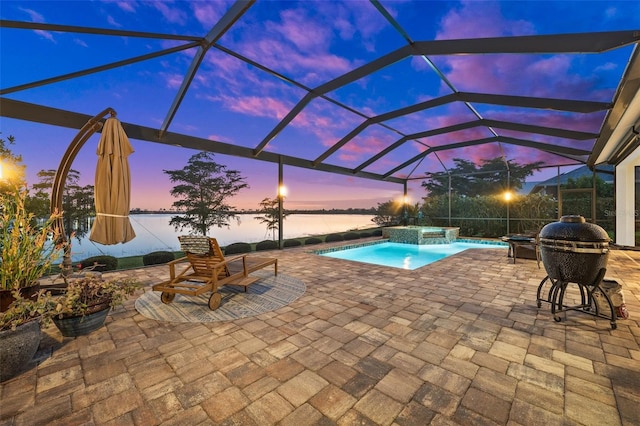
{"points": [[154, 233]]}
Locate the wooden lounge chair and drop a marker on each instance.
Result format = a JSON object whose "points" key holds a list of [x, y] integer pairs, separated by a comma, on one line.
{"points": [[204, 268]]}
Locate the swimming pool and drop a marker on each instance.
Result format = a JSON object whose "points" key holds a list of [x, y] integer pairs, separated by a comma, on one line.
{"points": [[405, 256]]}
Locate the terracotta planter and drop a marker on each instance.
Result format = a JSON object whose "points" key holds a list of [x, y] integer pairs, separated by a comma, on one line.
{"points": [[17, 348], [73, 326], [6, 296]]}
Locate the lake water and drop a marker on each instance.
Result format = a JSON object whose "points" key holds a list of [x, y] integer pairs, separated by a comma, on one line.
{"points": [[154, 233]]}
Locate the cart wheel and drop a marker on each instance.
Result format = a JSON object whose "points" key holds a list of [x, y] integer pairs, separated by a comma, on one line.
{"points": [[214, 301], [557, 319], [167, 297]]}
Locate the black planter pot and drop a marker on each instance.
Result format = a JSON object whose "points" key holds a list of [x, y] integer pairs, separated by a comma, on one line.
{"points": [[81, 325], [573, 250]]}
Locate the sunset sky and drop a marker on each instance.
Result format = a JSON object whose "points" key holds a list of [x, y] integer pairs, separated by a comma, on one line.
{"points": [[311, 42]]}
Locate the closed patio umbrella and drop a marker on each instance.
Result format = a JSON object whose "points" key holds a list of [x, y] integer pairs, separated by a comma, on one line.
{"points": [[112, 186]]}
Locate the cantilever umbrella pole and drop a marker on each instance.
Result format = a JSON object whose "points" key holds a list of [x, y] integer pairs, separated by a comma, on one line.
{"points": [[93, 125]]}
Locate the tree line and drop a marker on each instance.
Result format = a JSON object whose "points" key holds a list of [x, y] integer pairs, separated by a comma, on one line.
{"points": [[473, 196], [471, 193]]}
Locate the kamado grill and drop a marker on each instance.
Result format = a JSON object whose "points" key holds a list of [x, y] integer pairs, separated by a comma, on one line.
{"points": [[574, 251]]}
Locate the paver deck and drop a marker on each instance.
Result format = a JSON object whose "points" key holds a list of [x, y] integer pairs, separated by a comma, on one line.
{"points": [[460, 341]]}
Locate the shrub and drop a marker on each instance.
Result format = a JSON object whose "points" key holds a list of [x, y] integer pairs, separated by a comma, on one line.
{"points": [[334, 237], [292, 243], [105, 263], [157, 257], [237, 248], [312, 240], [266, 245], [351, 236]]}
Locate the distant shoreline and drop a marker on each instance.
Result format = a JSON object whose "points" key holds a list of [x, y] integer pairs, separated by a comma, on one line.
{"points": [[369, 211]]}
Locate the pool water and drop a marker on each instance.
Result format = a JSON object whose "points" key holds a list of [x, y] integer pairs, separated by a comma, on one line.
{"points": [[405, 256]]}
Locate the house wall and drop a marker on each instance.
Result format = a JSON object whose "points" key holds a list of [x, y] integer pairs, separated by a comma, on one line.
{"points": [[626, 213]]}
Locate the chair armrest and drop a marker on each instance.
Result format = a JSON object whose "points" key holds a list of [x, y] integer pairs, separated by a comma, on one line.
{"points": [[231, 259], [172, 267]]}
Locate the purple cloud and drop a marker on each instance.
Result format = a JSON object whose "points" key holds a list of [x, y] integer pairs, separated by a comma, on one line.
{"points": [[208, 14], [296, 27], [474, 19], [112, 21], [37, 17], [127, 6], [258, 106], [531, 75], [171, 14]]}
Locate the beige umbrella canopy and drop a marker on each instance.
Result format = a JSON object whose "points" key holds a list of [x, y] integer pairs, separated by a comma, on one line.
{"points": [[112, 186]]}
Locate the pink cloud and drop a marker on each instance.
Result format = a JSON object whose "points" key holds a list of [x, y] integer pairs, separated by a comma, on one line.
{"points": [[208, 13], [45, 34], [127, 6], [371, 144], [314, 68], [37, 17], [112, 21], [172, 80], [476, 19], [257, 106], [80, 42], [568, 121], [171, 14], [527, 75], [296, 27], [299, 42], [530, 75], [355, 18], [218, 138]]}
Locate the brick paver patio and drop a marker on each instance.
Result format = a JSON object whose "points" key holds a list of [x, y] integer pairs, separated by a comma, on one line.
{"points": [[460, 341]]}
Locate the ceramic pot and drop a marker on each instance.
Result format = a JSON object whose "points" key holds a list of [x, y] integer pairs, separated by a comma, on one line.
{"points": [[17, 347], [80, 325]]}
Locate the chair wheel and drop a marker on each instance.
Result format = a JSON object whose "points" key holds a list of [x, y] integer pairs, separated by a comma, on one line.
{"points": [[167, 298], [557, 319], [214, 301], [614, 325]]}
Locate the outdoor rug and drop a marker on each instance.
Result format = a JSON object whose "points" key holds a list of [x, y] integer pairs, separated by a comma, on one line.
{"points": [[271, 292]]}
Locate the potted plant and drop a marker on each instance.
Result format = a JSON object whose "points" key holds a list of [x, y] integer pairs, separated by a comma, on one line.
{"points": [[27, 252], [27, 248], [86, 302], [20, 331]]}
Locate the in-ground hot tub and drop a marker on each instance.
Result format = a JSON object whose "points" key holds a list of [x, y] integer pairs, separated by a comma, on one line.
{"points": [[420, 234]]}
